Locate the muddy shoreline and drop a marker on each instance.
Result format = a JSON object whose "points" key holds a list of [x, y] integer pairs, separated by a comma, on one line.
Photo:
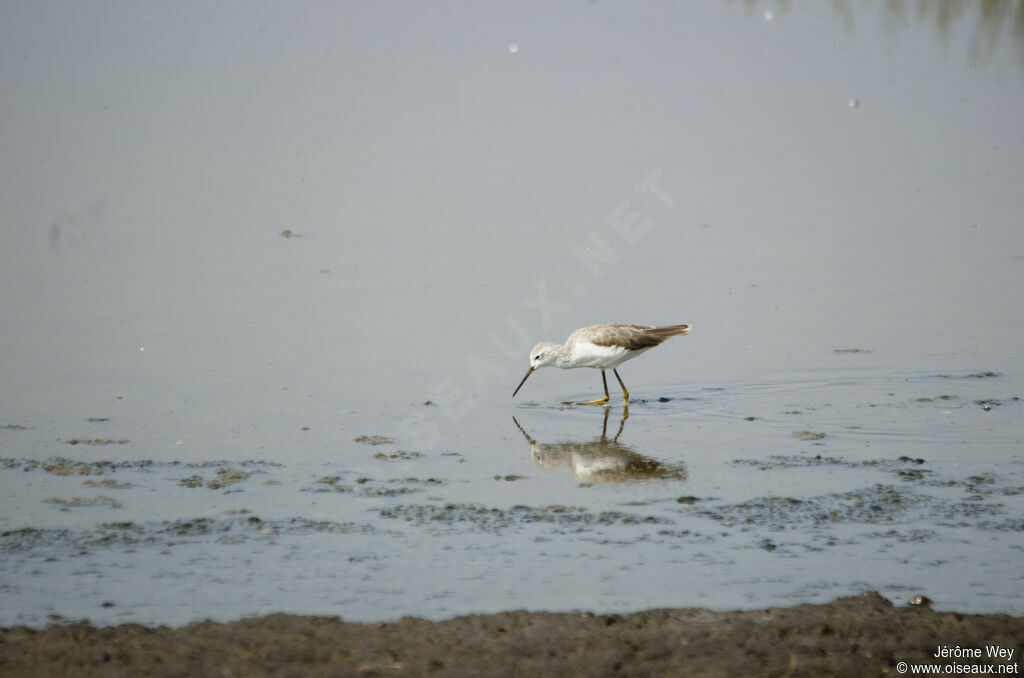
{"points": [[861, 635]]}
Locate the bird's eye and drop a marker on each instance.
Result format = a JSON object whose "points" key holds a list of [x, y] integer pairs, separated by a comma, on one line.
{"points": [[536, 357]]}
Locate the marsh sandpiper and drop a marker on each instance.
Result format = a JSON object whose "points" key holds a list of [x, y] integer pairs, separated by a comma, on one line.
{"points": [[600, 346]]}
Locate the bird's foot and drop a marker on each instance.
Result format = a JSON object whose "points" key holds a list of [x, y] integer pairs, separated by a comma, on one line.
{"points": [[599, 401]]}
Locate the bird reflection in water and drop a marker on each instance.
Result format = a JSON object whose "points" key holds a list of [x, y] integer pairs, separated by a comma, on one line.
{"points": [[602, 460]]}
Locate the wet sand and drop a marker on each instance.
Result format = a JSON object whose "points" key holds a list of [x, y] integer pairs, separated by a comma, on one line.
{"points": [[856, 636]]}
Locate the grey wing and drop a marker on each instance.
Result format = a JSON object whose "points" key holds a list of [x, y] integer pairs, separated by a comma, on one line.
{"points": [[633, 337]]}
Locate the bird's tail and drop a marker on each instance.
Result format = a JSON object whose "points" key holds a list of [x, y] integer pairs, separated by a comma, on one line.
{"points": [[667, 331]]}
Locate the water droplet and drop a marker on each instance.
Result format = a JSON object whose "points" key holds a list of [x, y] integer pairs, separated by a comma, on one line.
{"points": [[513, 47], [853, 103], [769, 15]]}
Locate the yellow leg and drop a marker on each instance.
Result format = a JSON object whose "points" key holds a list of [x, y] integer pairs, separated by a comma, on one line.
{"points": [[625, 393], [599, 401]]}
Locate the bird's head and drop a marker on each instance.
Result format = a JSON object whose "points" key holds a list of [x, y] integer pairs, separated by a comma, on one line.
{"points": [[542, 355]]}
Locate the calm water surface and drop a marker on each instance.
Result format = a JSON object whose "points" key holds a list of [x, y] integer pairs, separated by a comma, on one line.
{"points": [[269, 277]]}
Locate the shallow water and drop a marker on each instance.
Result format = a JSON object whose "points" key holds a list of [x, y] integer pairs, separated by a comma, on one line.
{"points": [[203, 418]]}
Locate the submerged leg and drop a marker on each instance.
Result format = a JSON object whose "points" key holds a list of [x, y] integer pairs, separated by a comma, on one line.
{"points": [[599, 401], [625, 393]]}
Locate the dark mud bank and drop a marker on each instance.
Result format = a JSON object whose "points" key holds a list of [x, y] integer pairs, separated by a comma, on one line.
{"points": [[856, 636]]}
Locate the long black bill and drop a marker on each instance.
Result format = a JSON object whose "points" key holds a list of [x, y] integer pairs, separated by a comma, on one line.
{"points": [[528, 373]]}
